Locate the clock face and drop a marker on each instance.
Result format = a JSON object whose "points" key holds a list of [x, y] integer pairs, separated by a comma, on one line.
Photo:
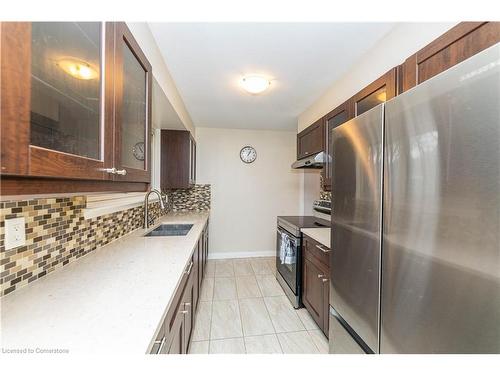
{"points": [[248, 154], [138, 151]]}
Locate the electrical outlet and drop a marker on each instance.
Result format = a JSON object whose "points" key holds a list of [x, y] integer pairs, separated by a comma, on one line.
{"points": [[15, 234]]}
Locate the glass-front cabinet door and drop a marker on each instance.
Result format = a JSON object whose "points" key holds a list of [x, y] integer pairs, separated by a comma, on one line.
{"points": [[68, 128], [379, 91], [75, 108], [133, 84], [336, 117]]}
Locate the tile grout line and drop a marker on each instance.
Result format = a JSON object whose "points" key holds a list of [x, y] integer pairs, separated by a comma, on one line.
{"points": [[241, 324], [211, 315], [239, 307], [239, 311], [309, 335], [314, 342], [275, 333]]}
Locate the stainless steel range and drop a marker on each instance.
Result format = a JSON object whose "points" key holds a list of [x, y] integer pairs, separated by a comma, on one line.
{"points": [[289, 248]]}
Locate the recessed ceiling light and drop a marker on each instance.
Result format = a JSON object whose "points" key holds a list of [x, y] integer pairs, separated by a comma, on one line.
{"points": [[255, 84]]}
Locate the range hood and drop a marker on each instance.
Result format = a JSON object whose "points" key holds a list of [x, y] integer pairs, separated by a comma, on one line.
{"points": [[314, 161]]}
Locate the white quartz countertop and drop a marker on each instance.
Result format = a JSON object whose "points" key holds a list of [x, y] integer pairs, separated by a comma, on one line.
{"points": [[322, 235], [112, 300]]}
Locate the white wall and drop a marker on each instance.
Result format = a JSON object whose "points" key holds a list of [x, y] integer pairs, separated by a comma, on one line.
{"points": [[400, 43], [146, 41], [247, 198], [310, 188]]}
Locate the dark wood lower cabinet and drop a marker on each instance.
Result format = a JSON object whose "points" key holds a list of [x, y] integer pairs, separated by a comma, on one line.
{"points": [[175, 345], [313, 291], [175, 335], [201, 265], [205, 246], [189, 309], [315, 282]]}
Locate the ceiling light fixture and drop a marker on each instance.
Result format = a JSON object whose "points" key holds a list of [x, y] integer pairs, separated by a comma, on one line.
{"points": [[255, 84], [78, 68]]}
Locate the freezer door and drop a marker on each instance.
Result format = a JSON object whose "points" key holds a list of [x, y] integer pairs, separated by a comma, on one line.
{"points": [[356, 223], [441, 240]]}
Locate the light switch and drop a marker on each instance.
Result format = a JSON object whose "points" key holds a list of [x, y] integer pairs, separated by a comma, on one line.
{"points": [[15, 234]]}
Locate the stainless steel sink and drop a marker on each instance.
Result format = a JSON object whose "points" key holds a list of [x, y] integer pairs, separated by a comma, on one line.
{"points": [[170, 230]]}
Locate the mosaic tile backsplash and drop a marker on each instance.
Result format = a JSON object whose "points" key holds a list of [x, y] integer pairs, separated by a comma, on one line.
{"points": [[195, 199], [324, 195], [57, 233]]}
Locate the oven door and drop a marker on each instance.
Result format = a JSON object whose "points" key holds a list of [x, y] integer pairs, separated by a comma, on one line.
{"points": [[288, 269]]}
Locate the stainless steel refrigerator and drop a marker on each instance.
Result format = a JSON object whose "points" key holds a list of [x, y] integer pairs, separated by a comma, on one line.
{"points": [[415, 264]]}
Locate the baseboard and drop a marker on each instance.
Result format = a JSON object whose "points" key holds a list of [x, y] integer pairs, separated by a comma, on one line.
{"points": [[242, 254]]}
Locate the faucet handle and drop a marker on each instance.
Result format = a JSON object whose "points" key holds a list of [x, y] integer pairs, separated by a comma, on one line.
{"points": [[164, 201]]}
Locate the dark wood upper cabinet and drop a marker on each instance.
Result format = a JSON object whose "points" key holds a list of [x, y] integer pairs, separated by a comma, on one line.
{"points": [[379, 91], [53, 122], [73, 98], [177, 160], [338, 116], [133, 83], [15, 98], [458, 44], [311, 140], [192, 161]]}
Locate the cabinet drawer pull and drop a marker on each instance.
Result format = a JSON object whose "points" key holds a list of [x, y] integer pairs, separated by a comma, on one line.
{"points": [[122, 172], [189, 269], [323, 249], [184, 312], [187, 304], [321, 276], [324, 280]]}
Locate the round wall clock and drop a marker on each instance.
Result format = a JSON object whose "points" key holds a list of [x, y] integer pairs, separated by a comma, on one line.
{"points": [[138, 150], [248, 154]]}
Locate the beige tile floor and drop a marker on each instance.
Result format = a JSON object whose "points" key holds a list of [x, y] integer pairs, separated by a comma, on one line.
{"points": [[243, 309]]}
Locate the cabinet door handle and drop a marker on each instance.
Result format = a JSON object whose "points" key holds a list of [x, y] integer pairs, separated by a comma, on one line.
{"points": [[320, 276], [323, 249], [184, 312], [122, 172], [324, 280], [189, 269], [187, 304], [109, 170]]}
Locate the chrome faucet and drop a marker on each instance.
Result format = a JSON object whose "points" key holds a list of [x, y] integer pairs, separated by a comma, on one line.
{"points": [[147, 222]]}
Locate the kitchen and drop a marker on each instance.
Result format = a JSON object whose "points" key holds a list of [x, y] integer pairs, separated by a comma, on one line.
{"points": [[142, 189]]}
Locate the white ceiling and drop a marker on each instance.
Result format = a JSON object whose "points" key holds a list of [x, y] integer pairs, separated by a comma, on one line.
{"points": [[207, 60]]}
